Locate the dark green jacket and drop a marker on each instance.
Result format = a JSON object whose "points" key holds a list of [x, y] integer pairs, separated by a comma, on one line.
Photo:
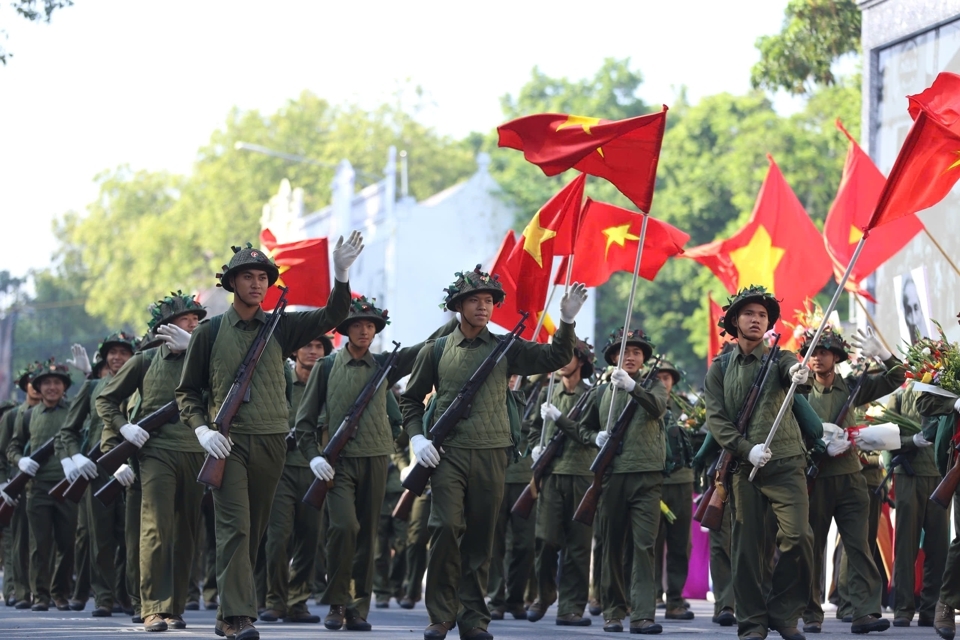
{"points": [[575, 457], [83, 425], [923, 461], [45, 423]]}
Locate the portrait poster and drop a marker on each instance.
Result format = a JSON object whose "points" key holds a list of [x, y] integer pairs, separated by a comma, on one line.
{"points": [[913, 304]]}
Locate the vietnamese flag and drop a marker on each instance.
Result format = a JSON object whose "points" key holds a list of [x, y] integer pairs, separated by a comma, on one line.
{"points": [[304, 270], [551, 232], [928, 164], [608, 241], [778, 248], [625, 152], [506, 315], [857, 197], [714, 316]]}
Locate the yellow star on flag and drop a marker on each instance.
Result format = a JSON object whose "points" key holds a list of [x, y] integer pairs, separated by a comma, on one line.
{"points": [[953, 166], [620, 235], [581, 121], [757, 261], [533, 238], [855, 235]]}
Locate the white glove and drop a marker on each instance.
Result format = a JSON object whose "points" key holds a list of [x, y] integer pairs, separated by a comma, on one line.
{"points": [[869, 344], [175, 337], [344, 254], [125, 475], [85, 466], [424, 451], [6, 497], [879, 437], [602, 436], [536, 452], [622, 380], [405, 472], [28, 465], [956, 405], [134, 434], [759, 455], [70, 470], [321, 468], [549, 412], [920, 441], [213, 442], [572, 301], [837, 447], [799, 373], [80, 360]]}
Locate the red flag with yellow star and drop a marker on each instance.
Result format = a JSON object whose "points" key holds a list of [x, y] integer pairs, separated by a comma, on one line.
{"points": [[625, 152], [928, 164], [778, 248], [715, 315], [857, 197], [608, 239], [550, 232], [506, 315], [304, 270]]}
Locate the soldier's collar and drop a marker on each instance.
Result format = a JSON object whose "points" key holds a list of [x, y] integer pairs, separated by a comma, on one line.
{"points": [[234, 318], [757, 352], [367, 358], [483, 336], [838, 383]]}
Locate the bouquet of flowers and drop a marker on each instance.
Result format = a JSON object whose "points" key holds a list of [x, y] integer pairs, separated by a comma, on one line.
{"points": [[879, 414], [694, 416], [935, 361]]}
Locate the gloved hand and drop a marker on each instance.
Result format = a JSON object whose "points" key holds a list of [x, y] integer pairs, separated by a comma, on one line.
{"points": [[70, 470], [213, 442], [344, 254], [85, 466], [125, 475], [175, 337], [622, 380], [837, 447], [869, 344], [28, 465], [321, 468], [536, 452], [759, 455], [549, 412], [956, 405], [602, 436], [572, 301], [80, 360], [799, 373], [920, 441], [405, 472], [134, 434], [424, 451], [6, 497]]}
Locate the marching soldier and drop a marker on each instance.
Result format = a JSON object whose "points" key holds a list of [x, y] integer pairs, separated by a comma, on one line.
{"points": [[779, 486], [256, 449], [169, 460], [468, 482], [9, 550]]}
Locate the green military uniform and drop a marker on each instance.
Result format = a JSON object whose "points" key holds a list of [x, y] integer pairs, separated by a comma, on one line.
{"points": [[677, 494], [255, 464], [16, 540], [468, 484], [389, 563], [418, 535]]}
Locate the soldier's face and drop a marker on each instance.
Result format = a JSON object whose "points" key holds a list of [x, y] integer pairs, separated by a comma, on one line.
{"points": [[752, 321], [188, 322], [822, 360], [632, 359], [476, 309], [667, 379], [571, 367], [361, 333], [251, 286], [52, 389], [308, 355], [117, 356]]}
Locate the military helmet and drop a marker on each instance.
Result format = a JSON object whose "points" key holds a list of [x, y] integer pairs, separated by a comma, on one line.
{"points": [[50, 368], [172, 307], [119, 338], [584, 353], [669, 367], [470, 282], [96, 367], [830, 340], [247, 258], [753, 293], [24, 375], [636, 338], [363, 309]]}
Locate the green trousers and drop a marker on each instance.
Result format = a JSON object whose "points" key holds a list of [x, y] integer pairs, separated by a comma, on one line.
{"points": [[845, 606], [291, 543], [676, 538], [950, 585], [721, 570], [105, 526], [81, 553], [562, 545], [133, 500], [209, 548], [353, 506], [631, 503], [596, 564], [467, 487], [390, 561], [511, 561], [916, 514], [16, 555], [242, 509], [779, 487], [53, 526], [418, 535], [169, 520]]}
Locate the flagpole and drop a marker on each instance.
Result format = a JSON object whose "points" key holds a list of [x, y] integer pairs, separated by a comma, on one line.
{"points": [[812, 346], [553, 374], [873, 323], [942, 252], [536, 331], [626, 321]]}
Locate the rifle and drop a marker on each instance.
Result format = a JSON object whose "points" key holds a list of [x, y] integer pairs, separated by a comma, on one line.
{"points": [[416, 480], [587, 509], [524, 504], [211, 473], [897, 460], [726, 465], [15, 487], [707, 495], [817, 459], [75, 490], [347, 430], [533, 398], [943, 494]]}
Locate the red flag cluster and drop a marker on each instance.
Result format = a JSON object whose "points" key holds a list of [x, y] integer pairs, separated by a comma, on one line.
{"points": [[304, 270]]}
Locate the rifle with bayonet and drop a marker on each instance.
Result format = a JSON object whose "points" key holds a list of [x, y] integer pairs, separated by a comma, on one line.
{"points": [[816, 459]]}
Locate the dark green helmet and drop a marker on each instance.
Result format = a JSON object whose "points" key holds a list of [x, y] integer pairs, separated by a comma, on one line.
{"points": [[363, 309], [674, 372], [471, 282], [584, 353], [753, 293], [636, 338], [247, 258], [172, 307], [118, 339], [830, 340], [24, 375], [50, 368]]}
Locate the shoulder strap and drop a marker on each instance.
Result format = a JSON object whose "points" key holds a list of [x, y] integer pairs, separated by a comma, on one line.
{"points": [[438, 346], [725, 362]]}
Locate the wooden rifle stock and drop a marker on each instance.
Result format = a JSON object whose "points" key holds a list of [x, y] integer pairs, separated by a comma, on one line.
{"points": [[715, 499], [15, 487], [404, 505], [708, 494], [111, 460], [945, 491], [109, 492], [79, 486]]}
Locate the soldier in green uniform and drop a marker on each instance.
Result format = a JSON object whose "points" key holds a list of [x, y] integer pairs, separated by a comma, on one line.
{"points": [[52, 524], [293, 525], [840, 491], [257, 446], [168, 460], [468, 482], [561, 543], [780, 485], [9, 551]]}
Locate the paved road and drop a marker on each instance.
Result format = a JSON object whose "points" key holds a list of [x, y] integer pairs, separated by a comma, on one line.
{"points": [[387, 623]]}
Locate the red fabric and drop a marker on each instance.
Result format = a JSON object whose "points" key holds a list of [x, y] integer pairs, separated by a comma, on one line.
{"points": [[625, 152], [713, 329], [928, 164], [304, 270], [506, 315]]}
